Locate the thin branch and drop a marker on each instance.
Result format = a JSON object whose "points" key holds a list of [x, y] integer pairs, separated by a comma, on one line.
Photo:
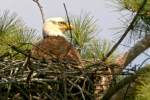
{"points": [[126, 92], [127, 46], [41, 9], [137, 49], [31, 69], [143, 62], [70, 30], [112, 90], [68, 22], [80, 89], [126, 32]]}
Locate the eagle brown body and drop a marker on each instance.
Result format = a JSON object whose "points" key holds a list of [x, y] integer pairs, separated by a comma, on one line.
{"points": [[54, 45]]}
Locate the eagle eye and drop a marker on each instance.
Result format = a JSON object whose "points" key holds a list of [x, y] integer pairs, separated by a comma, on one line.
{"points": [[62, 23], [53, 22]]}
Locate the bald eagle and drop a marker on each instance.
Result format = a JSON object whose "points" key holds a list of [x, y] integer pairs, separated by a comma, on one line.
{"points": [[55, 44]]}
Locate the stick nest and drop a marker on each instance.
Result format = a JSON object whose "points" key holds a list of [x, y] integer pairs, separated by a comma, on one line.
{"points": [[33, 79]]}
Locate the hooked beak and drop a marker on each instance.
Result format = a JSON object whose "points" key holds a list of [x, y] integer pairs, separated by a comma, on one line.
{"points": [[65, 26], [68, 27]]}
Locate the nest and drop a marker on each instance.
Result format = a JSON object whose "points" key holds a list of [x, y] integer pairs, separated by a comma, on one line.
{"points": [[36, 80]]}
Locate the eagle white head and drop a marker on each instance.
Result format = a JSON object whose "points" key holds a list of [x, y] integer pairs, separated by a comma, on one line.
{"points": [[55, 27]]}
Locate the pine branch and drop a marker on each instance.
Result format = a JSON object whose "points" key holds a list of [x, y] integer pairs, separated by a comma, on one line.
{"points": [[135, 78], [111, 91], [136, 50], [126, 32]]}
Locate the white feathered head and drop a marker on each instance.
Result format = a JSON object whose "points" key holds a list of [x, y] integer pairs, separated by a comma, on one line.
{"points": [[55, 26]]}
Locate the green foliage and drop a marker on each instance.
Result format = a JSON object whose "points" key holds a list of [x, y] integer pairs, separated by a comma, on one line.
{"points": [[83, 37], [84, 29], [139, 87], [14, 32], [141, 25], [134, 6], [96, 50], [142, 86]]}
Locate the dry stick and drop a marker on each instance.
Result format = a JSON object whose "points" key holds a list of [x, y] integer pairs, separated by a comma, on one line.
{"points": [[31, 69], [42, 14], [69, 29], [65, 87], [126, 92], [126, 32], [41, 10], [112, 90], [26, 64], [28, 79], [80, 89], [68, 22]]}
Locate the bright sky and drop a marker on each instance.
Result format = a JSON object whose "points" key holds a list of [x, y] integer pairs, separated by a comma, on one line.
{"points": [[100, 9], [29, 11]]}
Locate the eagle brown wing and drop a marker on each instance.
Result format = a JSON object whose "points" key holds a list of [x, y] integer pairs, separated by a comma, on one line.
{"points": [[58, 47]]}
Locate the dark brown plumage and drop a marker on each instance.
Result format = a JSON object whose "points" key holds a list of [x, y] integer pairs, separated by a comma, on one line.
{"points": [[56, 47]]}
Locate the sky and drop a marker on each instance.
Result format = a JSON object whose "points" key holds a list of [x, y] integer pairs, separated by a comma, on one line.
{"points": [[102, 10], [29, 12]]}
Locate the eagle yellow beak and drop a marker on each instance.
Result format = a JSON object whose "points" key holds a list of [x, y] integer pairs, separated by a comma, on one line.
{"points": [[68, 27], [65, 26]]}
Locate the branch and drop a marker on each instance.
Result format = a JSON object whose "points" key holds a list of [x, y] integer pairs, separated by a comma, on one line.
{"points": [[113, 90], [68, 21], [128, 80], [136, 50], [70, 30], [80, 89], [41, 10], [126, 32]]}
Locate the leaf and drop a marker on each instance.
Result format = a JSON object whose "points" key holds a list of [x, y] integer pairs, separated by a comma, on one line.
{"points": [[14, 32]]}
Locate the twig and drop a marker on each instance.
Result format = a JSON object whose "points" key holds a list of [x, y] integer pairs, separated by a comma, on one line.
{"points": [[83, 97], [137, 49], [65, 87], [41, 10], [143, 62], [126, 92], [42, 14], [25, 65], [31, 69], [68, 22], [77, 80], [126, 32], [70, 30], [112, 90]]}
